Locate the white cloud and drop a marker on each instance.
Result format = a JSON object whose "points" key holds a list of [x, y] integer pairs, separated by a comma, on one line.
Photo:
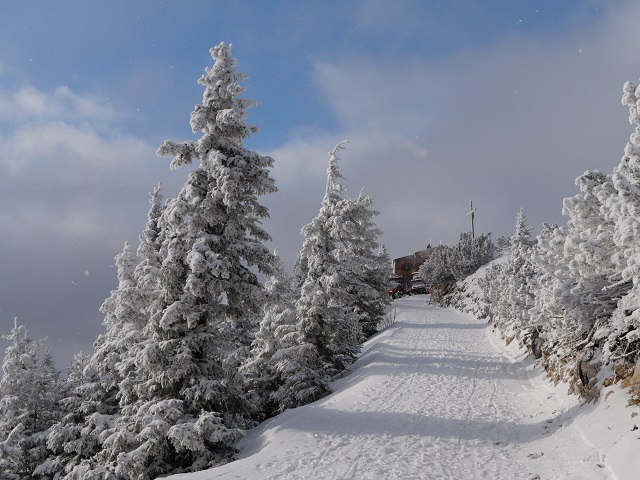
{"points": [[28, 104], [70, 149], [67, 172], [73, 189], [509, 126], [302, 159]]}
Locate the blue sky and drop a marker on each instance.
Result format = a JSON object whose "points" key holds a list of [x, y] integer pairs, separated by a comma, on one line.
{"points": [[501, 102]]}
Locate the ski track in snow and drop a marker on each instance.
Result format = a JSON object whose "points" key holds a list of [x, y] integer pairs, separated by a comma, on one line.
{"points": [[434, 396]]}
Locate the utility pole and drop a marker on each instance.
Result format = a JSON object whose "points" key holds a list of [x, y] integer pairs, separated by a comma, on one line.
{"points": [[472, 213]]}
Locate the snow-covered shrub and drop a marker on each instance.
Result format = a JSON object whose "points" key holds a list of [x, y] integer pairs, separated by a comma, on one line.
{"points": [[448, 265]]}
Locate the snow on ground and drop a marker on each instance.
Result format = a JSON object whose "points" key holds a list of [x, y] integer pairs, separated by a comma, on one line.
{"points": [[437, 396]]}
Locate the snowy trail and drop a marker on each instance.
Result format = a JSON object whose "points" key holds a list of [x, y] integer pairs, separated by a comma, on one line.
{"points": [[434, 396]]}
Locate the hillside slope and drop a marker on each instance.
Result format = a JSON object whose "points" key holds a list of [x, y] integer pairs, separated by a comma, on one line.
{"points": [[437, 396]]}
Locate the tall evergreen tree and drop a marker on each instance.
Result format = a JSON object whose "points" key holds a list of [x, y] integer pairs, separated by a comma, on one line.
{"points": [[508, 289], [624, 208], [437, 270], [588, 253], [80, 438], [469, 254], [277, 333], [366, 271], [326, 319], [518, 298], [67, 440], [107, 379], [188, 401], [148, 271], [29, 394], [300, 270]]}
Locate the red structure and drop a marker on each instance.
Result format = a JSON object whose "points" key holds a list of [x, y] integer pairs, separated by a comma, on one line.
{"points": [[406, 266]]}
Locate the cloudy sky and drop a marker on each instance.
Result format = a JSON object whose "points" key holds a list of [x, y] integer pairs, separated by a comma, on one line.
{"points": [[501, 102]]}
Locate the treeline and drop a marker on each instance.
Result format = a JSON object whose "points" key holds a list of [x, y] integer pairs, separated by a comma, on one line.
{"points": [[447, 265], [196, 349], [573, 294]]}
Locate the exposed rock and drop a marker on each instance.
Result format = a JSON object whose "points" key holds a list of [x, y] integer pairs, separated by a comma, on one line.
{"points": [[632, 381], [587, 373]]}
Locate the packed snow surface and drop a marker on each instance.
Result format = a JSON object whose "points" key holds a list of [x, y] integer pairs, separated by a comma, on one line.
{"points": [[438, 396]]}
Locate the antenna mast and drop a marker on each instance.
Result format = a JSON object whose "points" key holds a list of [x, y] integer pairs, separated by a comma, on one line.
{"points": [[472, 213]]}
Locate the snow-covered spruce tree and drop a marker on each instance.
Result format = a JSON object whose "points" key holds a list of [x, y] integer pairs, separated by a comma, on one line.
{"points": [[574, 288], [124, 322], [327, 336], [437, 271], [326, 319], [79, 437], [469, 254], [67, 445], [146, 290], [551, 288], [624, 338], [377, 277], [589, 249], [446, 265], [148, 271], [508, 286], [106, 378], [492, 286], [29, 394], [189, 402], [366, 271], [300, 270], [592, 281], [277, 338], [520, 271]]}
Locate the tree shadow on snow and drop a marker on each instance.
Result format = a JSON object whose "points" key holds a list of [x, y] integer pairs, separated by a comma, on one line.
{"points": [[435, 326], [325, 420], [390, 360]]}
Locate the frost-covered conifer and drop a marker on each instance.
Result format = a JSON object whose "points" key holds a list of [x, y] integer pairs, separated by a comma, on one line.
{"points": [[624, 337], [277, 333], [366, 272], [492, 288], [437, 270], [446, 265], [300, 270], [79, 438], [469, 254], [146, 293], [148, 271], [553, 283], [377, 306], [124, 322], [508, 288], [346, 277], [188, 401], [326, 319], [66, 442], [589, 251], [519, 271], [29, 393]]}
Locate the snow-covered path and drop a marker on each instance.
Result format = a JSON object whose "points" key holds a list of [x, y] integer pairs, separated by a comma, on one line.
{"points": [[434, 396]]}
